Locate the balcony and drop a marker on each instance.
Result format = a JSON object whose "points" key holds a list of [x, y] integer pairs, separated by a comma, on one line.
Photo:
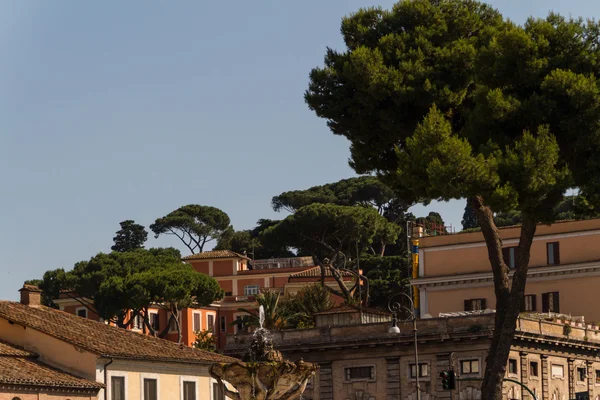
{"points": [[277, 263]]}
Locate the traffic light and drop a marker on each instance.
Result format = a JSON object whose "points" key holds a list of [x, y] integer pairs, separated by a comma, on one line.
{"points": [[448, 380]]}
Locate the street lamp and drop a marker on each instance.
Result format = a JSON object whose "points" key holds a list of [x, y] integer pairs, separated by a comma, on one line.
{"points": [[395, 307]]}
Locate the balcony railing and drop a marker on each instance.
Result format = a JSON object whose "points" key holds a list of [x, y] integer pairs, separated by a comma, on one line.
{"points": [[274, 263]]}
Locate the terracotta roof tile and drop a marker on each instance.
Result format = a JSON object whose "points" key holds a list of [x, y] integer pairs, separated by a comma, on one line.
{"points": [[315, 272], [20, 367], [30, 372], [207, 255], [102, 339], [7, 349]]}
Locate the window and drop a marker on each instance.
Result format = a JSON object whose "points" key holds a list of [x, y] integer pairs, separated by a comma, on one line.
{"points": [[137, 322], [529, 303], [217, 392], [240, 326], [598, 377], [223, 324], [82, 312], [423, 370], [553, 253], [189, 390], [533, 368], [469, 367], [154, 321], [173, 323], [250, 290], [359, 373], [150, 389], [196, 324], [474, 304], [550, 302], [581, 374], [512, 366], [117, 388], [228, 294], [211, 323], [558, 371], [510, 256]]}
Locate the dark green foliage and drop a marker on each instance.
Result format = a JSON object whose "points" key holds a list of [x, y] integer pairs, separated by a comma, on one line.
{"points": [[194, 225], [363, 191], [433, 224], [301, 307], [251, 242], [131, 236], [469, 219], [275, 317], [334, 233], [327, 229], [447, 100], [360, 191], [112, 284], [206, 341], [387, 276], [397, 64]]}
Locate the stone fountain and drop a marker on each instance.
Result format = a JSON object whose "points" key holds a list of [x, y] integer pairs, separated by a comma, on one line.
{"points": [[263, 374]]}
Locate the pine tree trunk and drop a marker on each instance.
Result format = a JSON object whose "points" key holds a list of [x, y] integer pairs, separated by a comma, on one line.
{"points": [[509, 295]]}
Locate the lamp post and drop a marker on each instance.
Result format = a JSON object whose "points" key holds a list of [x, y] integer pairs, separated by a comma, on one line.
{"points": [[395, 307]]}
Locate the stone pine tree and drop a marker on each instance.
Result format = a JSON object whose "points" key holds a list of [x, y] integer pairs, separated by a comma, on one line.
{"points": [[469, 219], [194, 225], [447, 100], [130, 237]]}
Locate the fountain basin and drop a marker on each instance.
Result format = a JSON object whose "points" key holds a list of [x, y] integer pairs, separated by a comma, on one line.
{"points": [[264, 380]]}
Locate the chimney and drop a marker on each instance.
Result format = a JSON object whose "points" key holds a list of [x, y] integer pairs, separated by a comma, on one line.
{"points": [[31, 295]]}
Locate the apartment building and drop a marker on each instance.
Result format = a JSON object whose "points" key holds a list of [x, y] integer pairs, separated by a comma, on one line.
{"points": [[243, 279], [454, 272]]}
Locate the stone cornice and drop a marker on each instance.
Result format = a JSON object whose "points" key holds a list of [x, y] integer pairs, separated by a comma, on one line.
{"points": [[534, 274]]}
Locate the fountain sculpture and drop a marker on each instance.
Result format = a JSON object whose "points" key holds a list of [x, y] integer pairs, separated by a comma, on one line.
{"points": [[263, 374]]}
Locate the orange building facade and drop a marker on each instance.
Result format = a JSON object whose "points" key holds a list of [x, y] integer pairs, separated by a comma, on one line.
{"points": [[454, 272], [241, 279]]}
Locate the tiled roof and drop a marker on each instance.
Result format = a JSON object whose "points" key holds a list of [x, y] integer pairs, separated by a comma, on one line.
{"points": [[352, 309], [101, 339], [315, 272], [14, 351], [20, 367], [209, 255], [28, 371]]}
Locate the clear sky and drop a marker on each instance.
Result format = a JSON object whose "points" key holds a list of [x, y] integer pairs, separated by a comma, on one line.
{"points": [[114, 110]]}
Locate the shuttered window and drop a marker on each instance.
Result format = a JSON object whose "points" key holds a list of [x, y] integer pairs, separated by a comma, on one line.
{"points": [[550, 302], [211, 323], [474, 304], [189, 390], [197, 322], [117, 388], [154, 321], [529, 303], [150, 389]]}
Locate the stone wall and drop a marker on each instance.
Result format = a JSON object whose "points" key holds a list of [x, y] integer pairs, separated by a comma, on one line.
{"points": [[541, 350]]}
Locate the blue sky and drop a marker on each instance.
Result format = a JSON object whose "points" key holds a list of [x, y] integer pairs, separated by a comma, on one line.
{"points": [[127, 110]]}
